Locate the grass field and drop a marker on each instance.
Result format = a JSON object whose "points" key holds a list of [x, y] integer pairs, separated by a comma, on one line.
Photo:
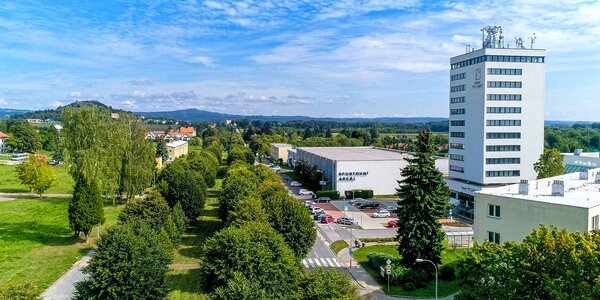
{"points": [[445, 287], [36, 243], [337, 246], [9, 182]]}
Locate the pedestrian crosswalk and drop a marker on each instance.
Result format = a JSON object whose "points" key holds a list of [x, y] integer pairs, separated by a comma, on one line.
{"points": [[321, 262]]}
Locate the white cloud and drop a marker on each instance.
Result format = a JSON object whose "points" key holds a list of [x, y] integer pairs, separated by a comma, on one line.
{"points": [[56, 104], [3, 102], [75, 94], [129, 103], [205, 60], [138, 94]]}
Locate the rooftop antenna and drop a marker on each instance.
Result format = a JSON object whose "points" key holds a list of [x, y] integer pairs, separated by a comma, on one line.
{"points": [[467, 48], [494, 38], [519, 43], [532, 41]]}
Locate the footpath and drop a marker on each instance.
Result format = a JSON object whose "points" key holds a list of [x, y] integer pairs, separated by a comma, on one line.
{"points": [[16, 196], [64, 287]]}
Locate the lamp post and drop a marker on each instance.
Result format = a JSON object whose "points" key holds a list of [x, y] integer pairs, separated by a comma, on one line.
{"points": [[420, 260]]}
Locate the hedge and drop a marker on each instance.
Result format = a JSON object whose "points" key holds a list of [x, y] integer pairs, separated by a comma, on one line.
{"points": [[366, 194], [377, 259], [328, 193]]}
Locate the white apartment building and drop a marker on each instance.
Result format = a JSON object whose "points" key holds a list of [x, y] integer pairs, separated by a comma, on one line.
{"points": [[510, 213], [496, 117]]}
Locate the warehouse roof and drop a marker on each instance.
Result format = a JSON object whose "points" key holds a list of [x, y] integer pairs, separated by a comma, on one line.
{"points": [[356, 153], [578, 192]]}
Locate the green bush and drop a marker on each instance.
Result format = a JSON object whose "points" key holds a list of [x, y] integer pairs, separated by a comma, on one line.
{"points": [[23, 291], [378, 240], [447, 272], [329, 193], [366, 194], [377, 259], [416, 277], [398, 273]]}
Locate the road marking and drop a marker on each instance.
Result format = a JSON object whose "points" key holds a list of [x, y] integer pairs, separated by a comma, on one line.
{"points": [[329, 262], [337, 263], [305, 264], [326, 243], [324, 262], [318, 262], [310, 262]]}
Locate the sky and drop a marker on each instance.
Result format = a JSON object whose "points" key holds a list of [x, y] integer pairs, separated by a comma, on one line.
{"points": [[339, 58]]}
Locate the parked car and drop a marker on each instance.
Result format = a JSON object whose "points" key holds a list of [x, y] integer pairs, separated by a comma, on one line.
{"points": [[276, 168], [382, 213], [369, 204], [315, 209], [360, 202], [53, 162], [392, 223], [326, 218], [346, 220], [323, 199], [317, 216], [295, 183], [304, 192], [391, 208], [307, 203], [353, 201]]}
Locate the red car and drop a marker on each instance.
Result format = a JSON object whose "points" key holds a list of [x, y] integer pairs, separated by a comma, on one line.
{"points": [[392, 223], [326, 219]]}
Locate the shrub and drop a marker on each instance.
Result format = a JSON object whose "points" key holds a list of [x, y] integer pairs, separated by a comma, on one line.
{"points": [[416, 277], [327, 284], [366, 194], [398, 273], [239, 288], [330, 193], [179, 218], [377, 259], [447, 272], [23, 291]]}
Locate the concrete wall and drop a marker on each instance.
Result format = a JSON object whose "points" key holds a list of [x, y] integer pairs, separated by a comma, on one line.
{"points": [[519, 217], [280, 152], [381, 176], [175, 152]]}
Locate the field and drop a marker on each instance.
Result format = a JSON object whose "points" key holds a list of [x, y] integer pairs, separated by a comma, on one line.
{"points": [[36, 243], [445, 287], [9, 183]]}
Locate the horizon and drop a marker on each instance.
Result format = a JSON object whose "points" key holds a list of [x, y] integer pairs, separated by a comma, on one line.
{"points": [[343, 60]]}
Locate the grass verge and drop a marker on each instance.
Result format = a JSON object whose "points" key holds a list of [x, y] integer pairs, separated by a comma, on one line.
{"points": [[445, 288], [36, 243], [337, 246], [9, 182]]}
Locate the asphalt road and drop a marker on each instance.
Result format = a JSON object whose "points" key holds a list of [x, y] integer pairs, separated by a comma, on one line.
{"points": [[321, 255]]}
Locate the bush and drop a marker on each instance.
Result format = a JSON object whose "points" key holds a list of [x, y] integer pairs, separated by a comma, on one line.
{"points": [[366, 194], [327, 284], [378, 240], [239, 288], [415, 277], [23, 291], [377, 259], [447, 272], [330, 193], [398, 273]]}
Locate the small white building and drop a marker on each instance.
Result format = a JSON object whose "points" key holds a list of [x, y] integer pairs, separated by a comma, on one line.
{"points": [[511, 212], [177, 149], [3, 138], [353, 168], [280, 151]]}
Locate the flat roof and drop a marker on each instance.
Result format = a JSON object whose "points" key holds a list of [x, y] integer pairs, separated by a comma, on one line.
{"points": [[356, 153], [176, 144], [578, 192], [281, 145]]}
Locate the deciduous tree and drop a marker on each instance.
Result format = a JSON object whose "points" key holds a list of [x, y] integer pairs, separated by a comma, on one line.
{"points": [[36, 174], [550, 164], [186, 186], [327, 285]]}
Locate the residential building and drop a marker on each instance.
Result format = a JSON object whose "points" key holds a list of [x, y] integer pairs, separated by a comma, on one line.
{"points": [[177, 149], [496, 117], [510, 213], [280, 151], [353, 168], [190, 131], [3, 138]]}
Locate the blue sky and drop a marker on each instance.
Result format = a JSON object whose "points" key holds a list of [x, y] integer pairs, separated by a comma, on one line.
{"points": [[286, 57]]}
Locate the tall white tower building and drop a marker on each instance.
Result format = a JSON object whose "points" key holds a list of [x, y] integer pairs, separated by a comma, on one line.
{"points": [[496, 116]]}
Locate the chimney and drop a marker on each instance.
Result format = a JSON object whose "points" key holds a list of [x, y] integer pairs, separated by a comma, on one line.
{"points": [[583, 175], [524, 187], [558, 188]]}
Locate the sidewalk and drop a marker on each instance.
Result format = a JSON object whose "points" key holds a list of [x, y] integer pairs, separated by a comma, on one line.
{"points": [[15, 196], [64, 287]]}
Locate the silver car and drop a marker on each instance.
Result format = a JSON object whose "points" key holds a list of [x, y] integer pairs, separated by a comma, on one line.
{"points": [[346, 221]]}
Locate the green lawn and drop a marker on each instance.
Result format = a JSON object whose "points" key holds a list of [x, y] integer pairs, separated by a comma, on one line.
{"points": [[9, 182], [445, 287], [185, 283], [195, 149], [5, 157], [337, 246], [36, 243]]}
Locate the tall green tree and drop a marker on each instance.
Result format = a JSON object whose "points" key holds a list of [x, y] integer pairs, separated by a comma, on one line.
{"points": [[131, 262], [137, 159], [423, 198], [238, 183], [178, 184], [36, 174], [86, 208], [23, 137], [161, 149], [239, 288], [327, 285], [550, 164]]}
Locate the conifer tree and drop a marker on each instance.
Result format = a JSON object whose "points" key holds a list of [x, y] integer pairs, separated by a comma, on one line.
{"points": [[423, 199], [86, 208]]}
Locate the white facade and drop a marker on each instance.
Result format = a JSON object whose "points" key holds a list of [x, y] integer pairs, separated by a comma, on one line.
{"points": [[570, 201], [354, 168], [280, 151], [496, 118]]}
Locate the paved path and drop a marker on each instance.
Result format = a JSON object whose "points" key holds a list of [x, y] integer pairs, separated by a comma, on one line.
{"points": [[15, 196], [64, 287]]}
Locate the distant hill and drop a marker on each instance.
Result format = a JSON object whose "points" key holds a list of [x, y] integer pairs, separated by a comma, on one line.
{"points": [[196, 115], [5, 112], [56, 114]]}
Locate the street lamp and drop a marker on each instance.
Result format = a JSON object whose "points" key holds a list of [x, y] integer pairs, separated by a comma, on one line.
{"points": [[420, 260]]}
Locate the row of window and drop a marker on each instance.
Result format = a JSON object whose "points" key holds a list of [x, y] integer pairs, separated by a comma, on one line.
{"points": [[503, 148], [504, 84], [595, 222], [503, 161], [457, 111], [505, 173], [457, 88], [499, 71], [504, 97], [500, 58], [503, 135], [457, 76], [457, 99], [457, 157], [494, 237], [457, 169], [503, 122], [457, 134], [504, 110], [494, 210], [457, 146], [457, 122]]}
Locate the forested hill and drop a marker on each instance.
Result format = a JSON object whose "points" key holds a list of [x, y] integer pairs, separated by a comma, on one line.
{"points": [[56, 114], [4, 112]]}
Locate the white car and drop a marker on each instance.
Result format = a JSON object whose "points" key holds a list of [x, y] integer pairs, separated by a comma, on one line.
{"points": [[304, 192], [382, 213], [315, 210], [295, 183], [276, 168], [308, 202]]}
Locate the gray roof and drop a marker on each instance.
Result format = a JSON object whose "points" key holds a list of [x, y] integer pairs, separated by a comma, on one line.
{"points": [[356, 153]]}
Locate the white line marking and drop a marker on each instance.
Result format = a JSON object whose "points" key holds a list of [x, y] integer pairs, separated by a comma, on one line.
{"points": [[329, 262], [310, 261], [318, 262], [324, 262], [337, 263], [305, 264]]}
